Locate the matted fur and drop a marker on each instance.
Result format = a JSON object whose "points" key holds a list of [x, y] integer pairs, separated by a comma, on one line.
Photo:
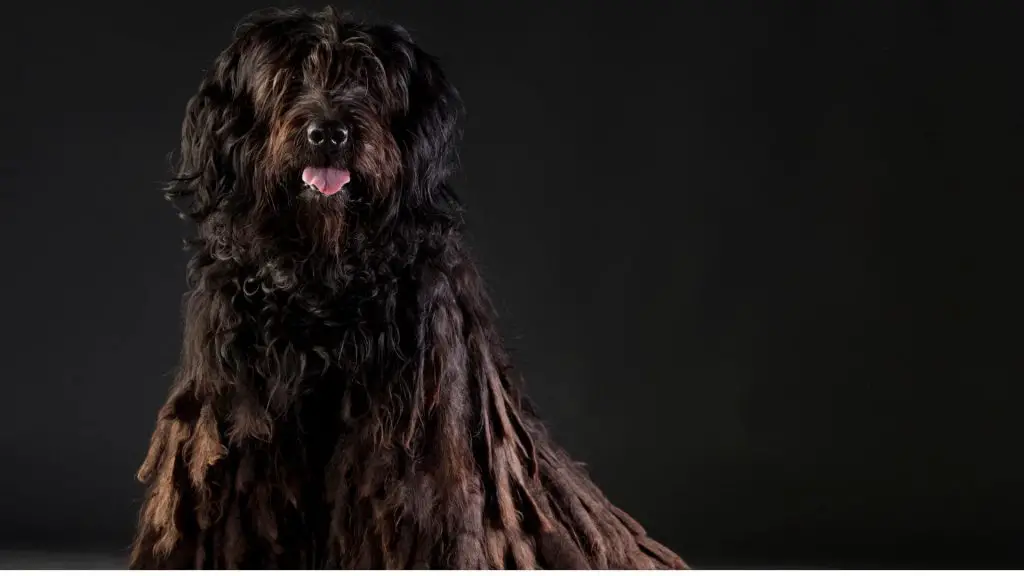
{"points": [[343, 398]]}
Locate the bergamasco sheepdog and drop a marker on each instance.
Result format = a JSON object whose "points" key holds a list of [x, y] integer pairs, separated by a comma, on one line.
{"points": [[343, 399]]}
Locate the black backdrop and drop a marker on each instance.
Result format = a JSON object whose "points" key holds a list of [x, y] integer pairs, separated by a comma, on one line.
{"points": [[758, 260]]}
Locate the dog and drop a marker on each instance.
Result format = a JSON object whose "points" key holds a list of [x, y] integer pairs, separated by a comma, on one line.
{"points": [[343, 398]]}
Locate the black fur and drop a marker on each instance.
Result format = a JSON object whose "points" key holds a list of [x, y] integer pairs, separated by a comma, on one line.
{"points": [[343, 398]]}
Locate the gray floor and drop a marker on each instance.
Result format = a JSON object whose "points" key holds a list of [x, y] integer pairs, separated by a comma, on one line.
{"points": [[18, 560]]}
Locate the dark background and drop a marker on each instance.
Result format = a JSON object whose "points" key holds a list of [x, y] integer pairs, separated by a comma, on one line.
{"points": [[759, 261]]}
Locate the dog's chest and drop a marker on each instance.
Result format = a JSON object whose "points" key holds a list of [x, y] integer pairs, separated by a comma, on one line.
{"points": [[324, 348], [314, 325]]}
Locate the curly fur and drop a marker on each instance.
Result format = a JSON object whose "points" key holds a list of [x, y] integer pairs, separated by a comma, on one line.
{"points": [[343, 399]]}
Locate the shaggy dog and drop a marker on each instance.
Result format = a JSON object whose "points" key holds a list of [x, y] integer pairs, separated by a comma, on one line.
{"points": [[343, 399]]}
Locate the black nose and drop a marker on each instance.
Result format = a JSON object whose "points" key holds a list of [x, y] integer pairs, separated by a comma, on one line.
{"points": [[325, 134]]}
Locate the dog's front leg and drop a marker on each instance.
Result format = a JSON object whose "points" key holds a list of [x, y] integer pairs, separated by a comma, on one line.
{"points": [[200, 500], [168, 535]]}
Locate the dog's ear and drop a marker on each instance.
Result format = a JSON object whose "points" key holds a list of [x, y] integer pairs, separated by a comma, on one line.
{"points": [[216, 119], [426, 127]]}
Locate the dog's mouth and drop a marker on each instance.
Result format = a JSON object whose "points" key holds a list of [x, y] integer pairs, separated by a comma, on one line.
{"points": [[325, 180]]}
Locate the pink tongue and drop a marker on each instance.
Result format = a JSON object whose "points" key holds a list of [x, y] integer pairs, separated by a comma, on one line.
{"points": [[327, 180]]}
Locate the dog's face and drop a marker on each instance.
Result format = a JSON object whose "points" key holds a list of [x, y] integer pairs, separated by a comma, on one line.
{"points": [[306, 116]]}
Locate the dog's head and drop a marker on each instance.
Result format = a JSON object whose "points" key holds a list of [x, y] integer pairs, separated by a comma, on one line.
{"points": [[306, 117]]}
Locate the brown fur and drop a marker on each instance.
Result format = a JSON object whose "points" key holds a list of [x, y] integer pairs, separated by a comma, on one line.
{"points": [[344, 399]]}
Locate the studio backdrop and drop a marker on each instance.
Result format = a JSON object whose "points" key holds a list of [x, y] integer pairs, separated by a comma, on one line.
{"points": [[758, 261]]}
